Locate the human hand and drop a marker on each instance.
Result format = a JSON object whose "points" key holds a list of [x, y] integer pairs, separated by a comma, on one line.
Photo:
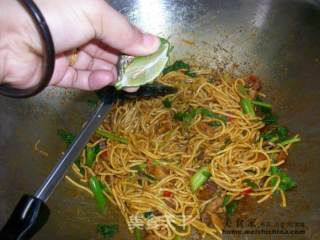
{"points": [[94, 28]]}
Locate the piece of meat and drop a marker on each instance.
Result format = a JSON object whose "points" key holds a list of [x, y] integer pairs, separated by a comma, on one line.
{"points": [[210, 209], [170, 203], [216, 221], [201, 154], [267, 128], [282, 156], [104, 155], [205, 218], [94, 138], [261, 157], [253, 82], [159, 172], [157, 213], [163, 128], [213, 206], [205, 128], [207, 191], [246, 206], [98, 167], [103, 145], [189, 210]]}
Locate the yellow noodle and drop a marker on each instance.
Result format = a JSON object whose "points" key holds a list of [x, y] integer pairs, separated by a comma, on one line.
{"points": [[233, 151], [40, 151], [79, 185]]}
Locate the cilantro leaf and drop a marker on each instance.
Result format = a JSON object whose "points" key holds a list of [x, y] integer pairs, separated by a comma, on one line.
{"points": [[177, 65], [167, 103], [66, 136], [286, 183], [231, 208], [107, 231]]}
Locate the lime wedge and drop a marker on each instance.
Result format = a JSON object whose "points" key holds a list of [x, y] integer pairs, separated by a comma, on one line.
{"points": [[137, 71]]}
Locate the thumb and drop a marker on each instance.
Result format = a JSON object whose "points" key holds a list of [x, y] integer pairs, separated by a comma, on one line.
{"points": [[115, 30]]}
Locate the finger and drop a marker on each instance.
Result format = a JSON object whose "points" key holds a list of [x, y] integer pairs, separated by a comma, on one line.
{"points": [[99, 64], [97, 50], [101, 78], [114, 29], [62, 65], [83, 62], [90, 20], [87, 62], [86, 80]]}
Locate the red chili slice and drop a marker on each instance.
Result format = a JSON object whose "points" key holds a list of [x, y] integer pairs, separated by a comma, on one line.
{"points": [[167, 194], [247, 192]]}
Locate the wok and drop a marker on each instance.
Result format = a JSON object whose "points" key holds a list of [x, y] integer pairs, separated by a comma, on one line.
{"points": [[279, 40]]}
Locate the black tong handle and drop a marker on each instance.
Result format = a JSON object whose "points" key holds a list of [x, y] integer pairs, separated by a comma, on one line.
{"points": [[28, 217]]}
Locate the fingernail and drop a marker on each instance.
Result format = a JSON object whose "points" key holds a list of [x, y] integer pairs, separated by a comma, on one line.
{"points": [[131, 89], [151, 42]]}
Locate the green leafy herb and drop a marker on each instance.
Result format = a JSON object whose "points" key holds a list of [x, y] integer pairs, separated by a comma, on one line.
{"points": [[226, 200], [189, 115], [286, 183], [148, 215], [78, 163], [231, 208], [270, 119], [266, 110], [91, 154], [282, 133], [199, 178], [294, 139], [267, 136], [279, 134], [167, 103], [262, 104], [107, 231], [149, 177], [178, 65], [141, 170], [251, 184], [264, 107], [183, 116], [111, 136], [215, 124], [207, 113], [190, 73], [140, 167], [66, 136]]}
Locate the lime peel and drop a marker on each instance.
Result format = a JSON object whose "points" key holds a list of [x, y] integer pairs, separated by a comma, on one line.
{"points": [[137, 71]]}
